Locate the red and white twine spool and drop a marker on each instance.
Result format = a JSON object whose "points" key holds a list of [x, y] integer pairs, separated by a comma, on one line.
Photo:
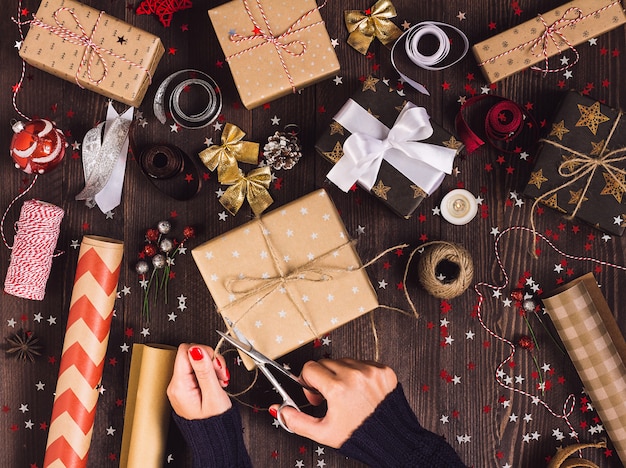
{"points": [[33, 249]]}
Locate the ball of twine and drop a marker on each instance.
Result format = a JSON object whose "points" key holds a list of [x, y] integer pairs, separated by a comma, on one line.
{"points": [[445, 269]]}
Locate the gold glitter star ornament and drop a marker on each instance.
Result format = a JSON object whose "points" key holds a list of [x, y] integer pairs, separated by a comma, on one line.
{"points": [[591, 117]]}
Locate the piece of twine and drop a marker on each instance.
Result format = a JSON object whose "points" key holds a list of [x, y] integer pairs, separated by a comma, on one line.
{"points": [[579, 167]]}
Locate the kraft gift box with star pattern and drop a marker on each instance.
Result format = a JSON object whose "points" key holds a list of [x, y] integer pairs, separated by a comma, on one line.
{"points": [[392, 187], [273, 47], [580, 168], [287, 277]]}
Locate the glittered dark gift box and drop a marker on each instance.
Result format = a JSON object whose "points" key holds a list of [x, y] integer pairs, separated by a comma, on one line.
{"points": [[581, 167], [394, 151]]}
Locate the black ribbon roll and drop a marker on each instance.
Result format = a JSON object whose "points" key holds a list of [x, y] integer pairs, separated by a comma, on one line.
{"points": [[171, 171]]}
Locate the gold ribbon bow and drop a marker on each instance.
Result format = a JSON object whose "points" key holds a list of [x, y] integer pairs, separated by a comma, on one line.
{"points": [[224, 157], [252, 187], [363, 26]]}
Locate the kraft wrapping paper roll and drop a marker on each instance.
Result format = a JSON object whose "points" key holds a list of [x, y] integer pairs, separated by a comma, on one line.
{"points": [[84, 349], [597, 348], [147, 416]]}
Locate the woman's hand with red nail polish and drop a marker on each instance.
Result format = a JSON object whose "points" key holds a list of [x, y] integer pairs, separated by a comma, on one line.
{"points": [[352, 390], [196, 389]]}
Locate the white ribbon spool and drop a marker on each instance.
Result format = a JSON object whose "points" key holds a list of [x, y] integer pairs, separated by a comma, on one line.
{"points": [[412, 38]]}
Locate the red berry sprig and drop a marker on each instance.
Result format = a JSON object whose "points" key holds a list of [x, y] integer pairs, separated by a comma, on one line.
{"points": [[160, 249]]}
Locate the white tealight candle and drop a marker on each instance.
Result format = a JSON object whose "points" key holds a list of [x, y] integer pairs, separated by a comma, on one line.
{"points": [[459, 207]]}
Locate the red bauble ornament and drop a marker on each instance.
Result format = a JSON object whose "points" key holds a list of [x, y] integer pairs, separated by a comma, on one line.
{"points": [[150, 250], [525, 342], [37, 146], [152, 235], [189, 232]]}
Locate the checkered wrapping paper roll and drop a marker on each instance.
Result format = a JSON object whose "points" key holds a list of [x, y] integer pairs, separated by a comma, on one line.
{"points": [[84, 349], [597, 349]]}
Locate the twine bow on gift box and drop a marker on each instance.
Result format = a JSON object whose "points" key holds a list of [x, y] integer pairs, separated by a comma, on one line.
{"points": [[582, 166], [295, 48], [252, 186], [364, 26], [224, 157], [85, 39], [553, 34], [371, 141]]}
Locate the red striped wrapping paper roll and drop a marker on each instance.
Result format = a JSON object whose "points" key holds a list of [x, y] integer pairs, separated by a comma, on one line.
{"points": [[33, 248], [84, 349]]}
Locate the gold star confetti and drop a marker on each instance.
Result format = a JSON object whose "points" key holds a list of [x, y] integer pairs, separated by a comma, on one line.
{"points": [[575, 197], [452, 143], [376, 116], [553, 203], [615, 185], [370, 83], [568, 162], [591, 117], [401, 106], [336, 127], [558, 130], [418, 192], [380, 190], [537, 178], [596, 148], [336, 154]]}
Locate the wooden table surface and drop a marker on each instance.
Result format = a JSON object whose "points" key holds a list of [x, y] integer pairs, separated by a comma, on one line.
{"points": [[445, 359]]}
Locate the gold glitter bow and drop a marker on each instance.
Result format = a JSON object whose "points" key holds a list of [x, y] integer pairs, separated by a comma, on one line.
{"points": [[363, 26], [224, 157], [252, 187]]}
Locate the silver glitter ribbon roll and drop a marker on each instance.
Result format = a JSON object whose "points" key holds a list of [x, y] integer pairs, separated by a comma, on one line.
{"points": [[104, 160], [169, 93]]}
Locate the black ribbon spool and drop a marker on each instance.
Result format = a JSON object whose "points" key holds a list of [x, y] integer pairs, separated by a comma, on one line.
{"points": [[167, 167]]}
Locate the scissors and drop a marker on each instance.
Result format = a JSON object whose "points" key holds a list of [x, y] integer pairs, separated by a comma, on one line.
{"points": [[264, 364]]}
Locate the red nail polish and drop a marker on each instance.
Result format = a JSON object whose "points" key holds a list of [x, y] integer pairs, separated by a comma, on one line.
{"points": [[226, 382], [219, 363], [196, 353], [227, 374], [273, 412]]}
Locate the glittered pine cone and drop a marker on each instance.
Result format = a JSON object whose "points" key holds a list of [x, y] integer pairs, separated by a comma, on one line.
{"points": [[282, 150]]}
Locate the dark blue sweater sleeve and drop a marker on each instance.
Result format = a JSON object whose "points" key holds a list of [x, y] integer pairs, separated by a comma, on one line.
{"points": [[392, 437], [216, 441]]}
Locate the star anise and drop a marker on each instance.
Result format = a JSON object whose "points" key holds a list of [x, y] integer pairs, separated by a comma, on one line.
{"points": [[23, 345]]}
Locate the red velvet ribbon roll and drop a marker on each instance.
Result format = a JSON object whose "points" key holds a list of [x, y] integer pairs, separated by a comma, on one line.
{"points": [[504, 121]]}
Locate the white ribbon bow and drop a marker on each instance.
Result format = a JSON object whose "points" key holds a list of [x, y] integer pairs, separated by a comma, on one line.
{"points": [[371, 141]]}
